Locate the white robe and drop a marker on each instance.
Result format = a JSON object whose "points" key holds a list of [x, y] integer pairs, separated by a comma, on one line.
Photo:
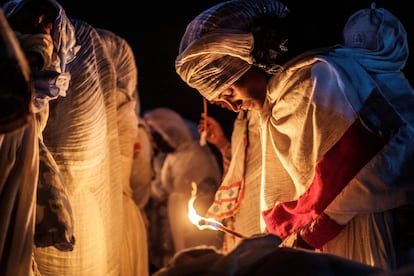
{"points": [[84, 137], [329, 99], [19, 158]]}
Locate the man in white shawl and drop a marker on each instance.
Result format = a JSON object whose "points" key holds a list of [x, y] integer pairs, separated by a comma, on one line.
{"points": [[336, 124], [90, 133]]}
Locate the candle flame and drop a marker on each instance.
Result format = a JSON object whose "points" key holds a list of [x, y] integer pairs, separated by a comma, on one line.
{"points": [[201, 222]]}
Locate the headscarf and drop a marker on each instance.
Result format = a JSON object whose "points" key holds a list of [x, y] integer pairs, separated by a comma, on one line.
{"points": [[217, 46], [170, 125], [380, 37], [63, 32], [55, 80], [375, 43]]}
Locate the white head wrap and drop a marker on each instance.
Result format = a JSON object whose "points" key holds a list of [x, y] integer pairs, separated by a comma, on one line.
{"points": [[170, 125], [65, 49], [216, 48], [380, 37]]}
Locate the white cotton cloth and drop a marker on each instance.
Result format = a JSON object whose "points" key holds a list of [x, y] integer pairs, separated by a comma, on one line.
{"points": [[19, 151], [19, 157], [237, 201], [91, 133], [385, 182]]}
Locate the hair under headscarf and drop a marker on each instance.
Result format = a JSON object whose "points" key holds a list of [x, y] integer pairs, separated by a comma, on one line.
{"points": [[217, 46]]}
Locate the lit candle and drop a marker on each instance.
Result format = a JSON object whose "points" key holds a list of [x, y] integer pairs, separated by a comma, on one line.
{"points": [[206, 223]]}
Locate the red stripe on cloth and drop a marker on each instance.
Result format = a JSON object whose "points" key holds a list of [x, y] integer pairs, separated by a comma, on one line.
{"points": [[229, 187], [339, 165]]}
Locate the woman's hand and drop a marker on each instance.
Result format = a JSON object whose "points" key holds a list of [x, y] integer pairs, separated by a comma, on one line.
{"points": [[213, 132]]}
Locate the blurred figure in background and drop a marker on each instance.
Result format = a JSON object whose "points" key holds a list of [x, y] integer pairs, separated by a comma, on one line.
{"points": [[142, 167], [183, 161], [54, 222]]}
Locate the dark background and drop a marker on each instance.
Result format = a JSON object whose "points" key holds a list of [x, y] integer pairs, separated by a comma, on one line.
{"points": [[154, 30]]}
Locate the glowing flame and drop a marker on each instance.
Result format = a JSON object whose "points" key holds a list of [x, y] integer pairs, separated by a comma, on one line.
{"points": [[201, 222], [206, 223]]}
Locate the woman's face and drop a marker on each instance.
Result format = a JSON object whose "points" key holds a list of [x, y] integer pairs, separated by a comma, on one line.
{"points": [[247, 93]]}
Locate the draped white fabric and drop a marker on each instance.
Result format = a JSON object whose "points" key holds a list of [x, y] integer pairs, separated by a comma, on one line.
{"points": [[90, 133], [247, 218], [87, 150], [19, 158], [19, 165], [134, 250], [385, 182]]}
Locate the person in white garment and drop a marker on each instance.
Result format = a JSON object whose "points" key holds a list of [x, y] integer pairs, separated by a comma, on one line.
{"points": [[90, 133], [135, 241], [19, 157], [237, 201], [336, 123]]}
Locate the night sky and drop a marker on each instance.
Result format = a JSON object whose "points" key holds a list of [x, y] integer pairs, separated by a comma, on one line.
{"points": [[154, 30]]}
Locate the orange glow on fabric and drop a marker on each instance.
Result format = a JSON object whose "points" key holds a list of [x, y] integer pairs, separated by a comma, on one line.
{"points": [[206, 223]]}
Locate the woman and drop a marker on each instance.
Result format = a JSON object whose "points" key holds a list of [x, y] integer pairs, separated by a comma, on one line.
{"points": [[19, 161], [90, 132], [336, 127]]}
